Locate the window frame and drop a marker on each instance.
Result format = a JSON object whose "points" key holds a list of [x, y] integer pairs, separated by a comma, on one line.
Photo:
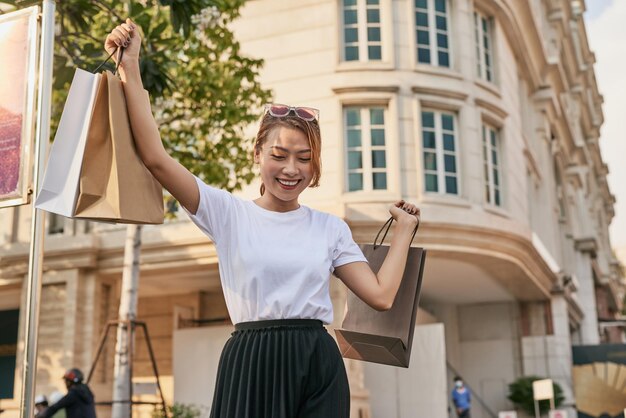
{"points": [[489, 187], [440, 152], [434, 49], [479, 48], [56, 224], [362, 27], [367, 169]]}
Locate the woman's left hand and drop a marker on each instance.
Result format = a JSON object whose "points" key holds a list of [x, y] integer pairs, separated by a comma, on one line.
{"points": [[403, 211]]}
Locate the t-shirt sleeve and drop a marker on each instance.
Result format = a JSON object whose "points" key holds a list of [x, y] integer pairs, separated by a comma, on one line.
{"points": [[346, 250], [215, 210]]}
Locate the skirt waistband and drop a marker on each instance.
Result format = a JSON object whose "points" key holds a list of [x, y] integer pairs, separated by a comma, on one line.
{"points": [[273, 323]]}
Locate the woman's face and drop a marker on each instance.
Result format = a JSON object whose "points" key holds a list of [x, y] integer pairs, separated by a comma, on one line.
{"points": [[285, 162]]}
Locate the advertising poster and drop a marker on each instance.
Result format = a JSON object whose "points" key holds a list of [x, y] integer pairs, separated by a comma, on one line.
{"points": [[599, 376], [18, 49]]}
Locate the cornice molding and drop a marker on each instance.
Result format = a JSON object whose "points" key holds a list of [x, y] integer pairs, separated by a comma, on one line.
{"points": [[587, 245], [163, 256], [87, 252], [365, 89], [495, 109], [432, 91], [498, 252], [523, 41], [546, 97], [532, 163], [60, 253]]}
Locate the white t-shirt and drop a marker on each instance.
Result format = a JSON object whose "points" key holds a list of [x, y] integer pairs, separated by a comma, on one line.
{"points": [[274, 265]]}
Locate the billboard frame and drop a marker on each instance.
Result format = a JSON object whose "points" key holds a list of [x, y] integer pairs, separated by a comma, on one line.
{"points": [[24, 191]]}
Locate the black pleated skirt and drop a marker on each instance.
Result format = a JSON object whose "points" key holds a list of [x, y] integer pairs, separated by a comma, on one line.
{"points": [[288, 368]]}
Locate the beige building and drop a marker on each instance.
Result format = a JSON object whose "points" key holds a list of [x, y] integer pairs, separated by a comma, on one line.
{"points": [[486, 113]]}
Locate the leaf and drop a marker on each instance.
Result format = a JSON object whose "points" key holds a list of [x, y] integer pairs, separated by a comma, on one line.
{"points": [[181, 12], [521, 394]]}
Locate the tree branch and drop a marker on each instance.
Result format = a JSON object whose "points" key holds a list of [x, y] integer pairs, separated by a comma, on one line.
{"points": [[79, 34], [108, 9]]}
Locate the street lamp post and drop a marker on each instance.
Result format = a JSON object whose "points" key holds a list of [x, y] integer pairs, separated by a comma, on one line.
{"points": [[35, 261]]}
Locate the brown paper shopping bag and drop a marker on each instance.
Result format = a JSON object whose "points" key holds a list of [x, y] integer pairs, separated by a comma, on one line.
{"points": [[384, 337], [114, 184]]}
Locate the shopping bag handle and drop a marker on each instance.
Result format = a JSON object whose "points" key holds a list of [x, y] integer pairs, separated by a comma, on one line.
{"points": [[119, 59], [388, 225]]}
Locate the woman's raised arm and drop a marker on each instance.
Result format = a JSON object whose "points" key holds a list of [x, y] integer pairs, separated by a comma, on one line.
{"points": [[169, 172]]}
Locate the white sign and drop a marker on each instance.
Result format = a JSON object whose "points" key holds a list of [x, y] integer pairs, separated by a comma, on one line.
{"points": [[558, 413], [542, 389], [145, 388], [507, 414]]}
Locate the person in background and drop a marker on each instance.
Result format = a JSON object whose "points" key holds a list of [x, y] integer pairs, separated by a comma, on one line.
{"points": [[41, 404], [55, 397], [79, 400], [462, 398]]}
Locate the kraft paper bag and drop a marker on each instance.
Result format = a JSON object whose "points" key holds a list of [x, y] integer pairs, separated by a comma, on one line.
{"points": [[384, 337], [114, 185], [59, 189]]}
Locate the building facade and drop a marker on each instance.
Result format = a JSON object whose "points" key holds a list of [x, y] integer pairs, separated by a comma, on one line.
{"points": [[486, 113]]}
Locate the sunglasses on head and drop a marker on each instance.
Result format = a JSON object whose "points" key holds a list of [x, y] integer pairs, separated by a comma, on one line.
{"points": [[280, 110]]}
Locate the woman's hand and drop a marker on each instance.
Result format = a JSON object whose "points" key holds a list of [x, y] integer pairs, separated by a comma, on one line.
{"points": [[125, 36], [405, 212], [379, 289]]}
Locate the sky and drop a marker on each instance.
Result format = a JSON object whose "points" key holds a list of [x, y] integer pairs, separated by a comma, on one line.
{"points": [[606, 32]]}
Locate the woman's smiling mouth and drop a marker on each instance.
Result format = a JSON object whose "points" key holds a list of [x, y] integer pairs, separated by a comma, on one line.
{"points": [[288, 184]]}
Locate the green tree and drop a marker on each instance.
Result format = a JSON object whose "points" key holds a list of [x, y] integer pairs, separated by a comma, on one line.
{"points": [[204, 92], [521, 394], [179, 410]]}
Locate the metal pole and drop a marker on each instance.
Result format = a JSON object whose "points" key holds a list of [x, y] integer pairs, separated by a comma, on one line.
{"points": [[154, 366], [103, 339], [537, 409], [35, 261]]}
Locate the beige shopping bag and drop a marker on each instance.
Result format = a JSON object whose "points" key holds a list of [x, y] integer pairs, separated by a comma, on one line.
{"points": [[384, 337], [114, 184]]}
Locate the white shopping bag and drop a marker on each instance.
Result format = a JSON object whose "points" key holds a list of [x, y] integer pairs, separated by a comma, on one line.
{"points": [[60, 184]]}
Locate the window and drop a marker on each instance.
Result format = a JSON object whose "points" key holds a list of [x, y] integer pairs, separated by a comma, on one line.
{"points": [[366, 148], [9, 321], [362, 37], [491, 158], [432, 33], [484, 49], [440, 152], [56, 224]]}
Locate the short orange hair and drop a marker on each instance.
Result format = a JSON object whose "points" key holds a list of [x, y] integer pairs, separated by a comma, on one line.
{"points": [[310, 129]]}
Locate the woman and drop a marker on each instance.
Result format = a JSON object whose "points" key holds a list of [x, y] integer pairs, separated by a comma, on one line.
{"points": [[276, 258]]}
